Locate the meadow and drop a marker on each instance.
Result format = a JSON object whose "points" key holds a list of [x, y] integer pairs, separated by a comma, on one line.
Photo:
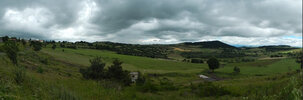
{"points": [[54, 74]]}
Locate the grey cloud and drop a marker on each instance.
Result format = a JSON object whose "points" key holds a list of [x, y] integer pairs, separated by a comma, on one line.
{"points": [[133, 21]]}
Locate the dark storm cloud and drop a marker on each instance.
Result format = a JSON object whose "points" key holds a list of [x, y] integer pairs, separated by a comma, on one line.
{"points": [[152, 21], [63, 10]]}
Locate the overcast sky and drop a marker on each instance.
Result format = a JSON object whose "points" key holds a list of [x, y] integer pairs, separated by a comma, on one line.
{"points": [[237, 22]]}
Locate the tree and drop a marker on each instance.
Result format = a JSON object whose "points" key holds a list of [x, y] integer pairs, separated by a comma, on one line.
{"points": [[213, 63], [196, 61], [96, 69], [236, 70], [54, 46], [37, 45], [23, 42], [62, 45], [11, 49], [5, 38], [300, 59], [117, 73]]}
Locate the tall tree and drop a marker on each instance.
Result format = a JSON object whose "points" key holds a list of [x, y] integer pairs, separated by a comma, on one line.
{"points": [[117, 73], [37, 45], [5, 38], [54, 46], [96, 69], [213, 64], [300, 59], [11, 49]]}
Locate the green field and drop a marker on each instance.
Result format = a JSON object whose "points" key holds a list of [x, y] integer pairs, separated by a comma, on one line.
{"points": [[149, 65], [134, 63], [59, 77]]}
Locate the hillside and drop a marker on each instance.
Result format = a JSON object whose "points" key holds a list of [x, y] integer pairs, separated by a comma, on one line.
{"points": [[53, 73], [209, 44]]}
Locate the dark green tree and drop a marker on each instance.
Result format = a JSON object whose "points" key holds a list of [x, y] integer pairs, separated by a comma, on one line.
{"points": [[236, 70], [11, 49], [54, 46], [117, 73], [23, 42], [5, 38], [95, 71], [213, 64], [299, 59], [36, 45]]}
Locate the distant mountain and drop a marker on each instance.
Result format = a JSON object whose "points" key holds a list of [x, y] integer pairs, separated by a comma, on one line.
{"points": [[210, 44], [274, 48]]}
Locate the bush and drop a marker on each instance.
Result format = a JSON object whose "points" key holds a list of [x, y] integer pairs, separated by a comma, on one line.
{"points": [[40, 70], [19, 75], [196, 61], [114, 73], [36, 45], [213, 63], [141, 80], [60, 93], [54, 46], [95, 71], [236, 70], [148, 86], [293, 90], [166, 84], [44, 60], [72, 46], [208, 89], [11, 49], [62, 45]]}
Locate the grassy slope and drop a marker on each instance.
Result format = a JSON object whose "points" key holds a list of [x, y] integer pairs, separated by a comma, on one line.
{"points": [[61, 80], [259, 67], [143, 64], [262, 67]]}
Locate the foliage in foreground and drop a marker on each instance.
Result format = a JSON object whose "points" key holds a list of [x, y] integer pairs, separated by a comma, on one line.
{"points": [[11, 49], [208, 89], [115, 72]]}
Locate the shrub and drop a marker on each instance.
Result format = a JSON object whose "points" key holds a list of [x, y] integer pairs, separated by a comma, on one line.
{"points": [[148, 86], [166, 84], [196, 61], [23, 42], [116, 72], [36, 45], [11, 49], [95, 71], [72, 46], [208, 89], [236, 70], [293, 90], [19, 75], [141, 80], [54, 46], [44, 60], [62, 45], [40, 70], [60, 93], [213, 63]]}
